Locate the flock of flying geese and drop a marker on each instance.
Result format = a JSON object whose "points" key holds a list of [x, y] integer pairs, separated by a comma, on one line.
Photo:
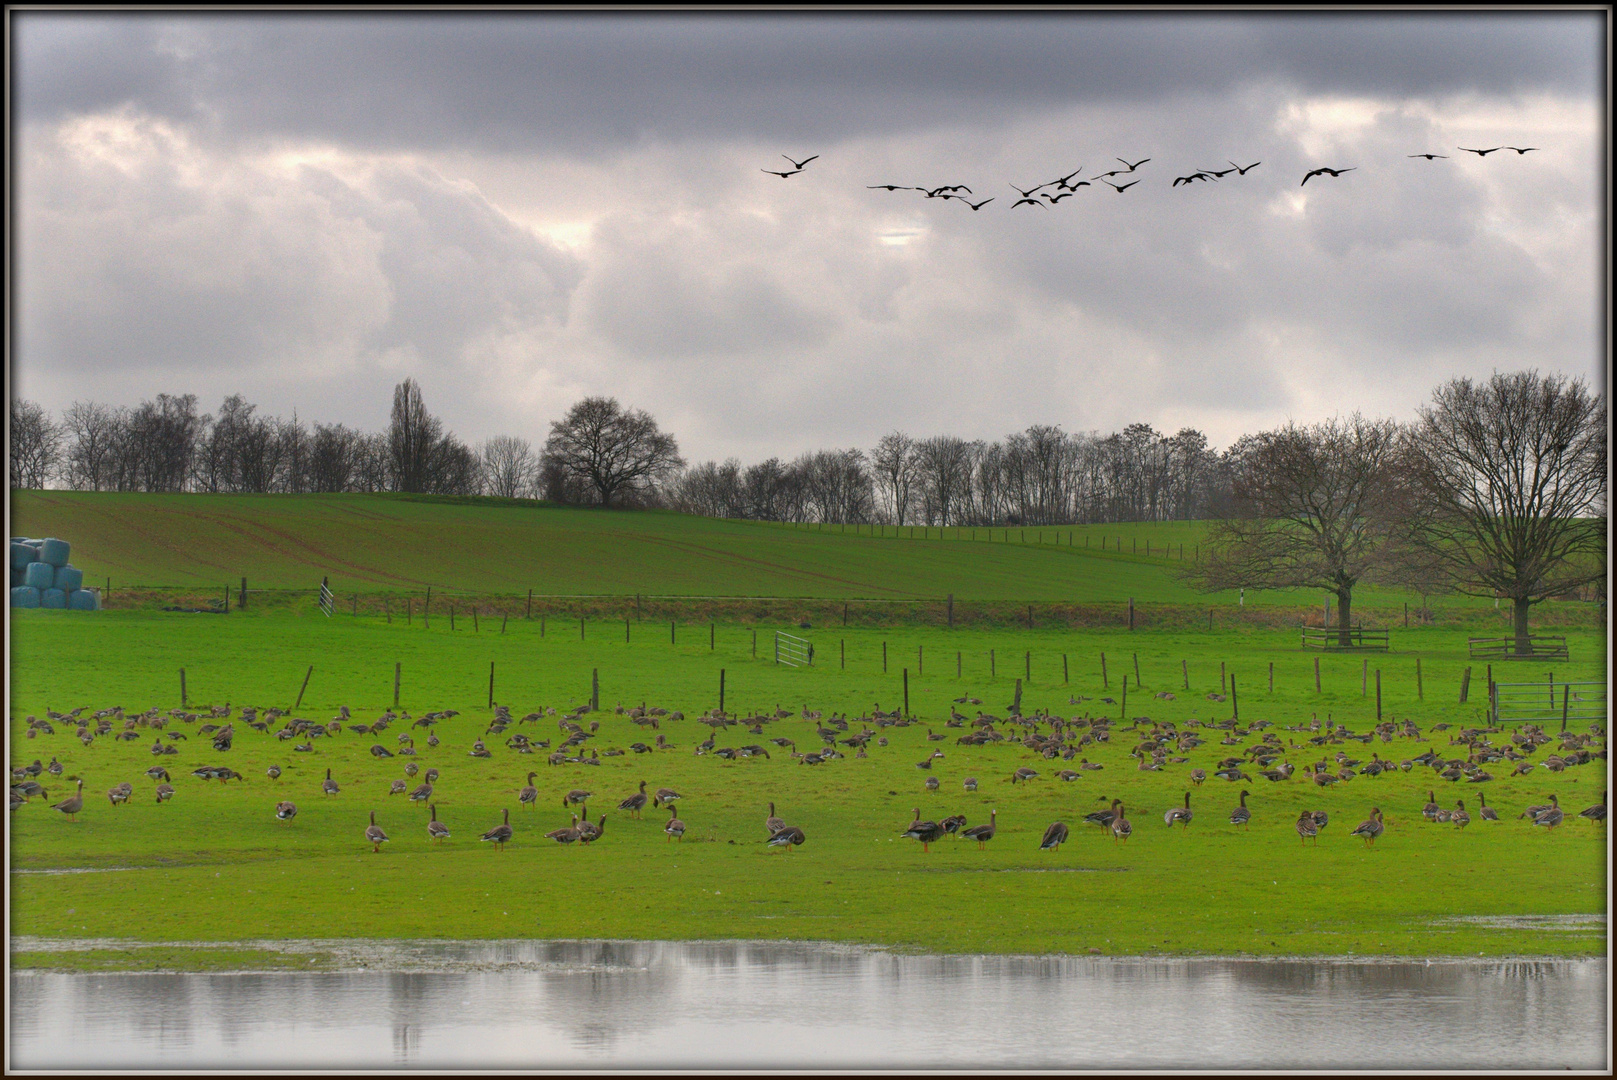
{"points": [[1067, 186], [1159, 744]]}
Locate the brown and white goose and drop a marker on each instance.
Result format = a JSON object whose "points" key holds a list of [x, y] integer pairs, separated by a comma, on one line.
{"points": [[1179, 815], [675, 827], [529, 796], [72, 804], [982, 833], [285, 811], [773, 823], [501, 832], [436, 829], [374, 835], [636, 802]]}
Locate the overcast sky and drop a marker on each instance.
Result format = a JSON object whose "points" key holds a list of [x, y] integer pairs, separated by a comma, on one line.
{"points": [[523, 209]]}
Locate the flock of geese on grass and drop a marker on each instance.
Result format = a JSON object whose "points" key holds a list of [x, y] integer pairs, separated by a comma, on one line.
{"points": [[1067, 186], [1159, 746]]}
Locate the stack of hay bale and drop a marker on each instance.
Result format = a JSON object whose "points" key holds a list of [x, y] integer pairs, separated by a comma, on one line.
{"points": [[42, 577]]}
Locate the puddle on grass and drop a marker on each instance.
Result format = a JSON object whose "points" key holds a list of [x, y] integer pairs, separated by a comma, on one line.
{"points": [[793, 1005], [1528, 922]]}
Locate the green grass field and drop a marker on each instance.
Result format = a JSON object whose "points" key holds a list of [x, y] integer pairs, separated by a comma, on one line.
{"points": [[214, 864]]}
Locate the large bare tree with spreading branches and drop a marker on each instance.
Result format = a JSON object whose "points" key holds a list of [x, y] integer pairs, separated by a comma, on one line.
{"points": [[1312, 507], [608, 451], [1509, 479]]}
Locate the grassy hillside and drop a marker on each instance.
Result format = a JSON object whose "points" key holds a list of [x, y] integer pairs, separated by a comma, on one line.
{"points": [[398, 544]]}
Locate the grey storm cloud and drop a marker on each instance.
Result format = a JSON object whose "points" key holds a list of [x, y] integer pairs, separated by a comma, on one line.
{"points": [[521, 208], [511, 81]]}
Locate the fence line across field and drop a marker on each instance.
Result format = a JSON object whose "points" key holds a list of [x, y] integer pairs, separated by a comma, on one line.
{"points": [[1521, 702]]}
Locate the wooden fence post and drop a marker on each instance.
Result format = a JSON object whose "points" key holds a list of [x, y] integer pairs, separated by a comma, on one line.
{"points": [[671, 639], [1123, 709], [991, 671], [1364, 678], [241, 601], [1566, 700], [302, 688], [951, 612], [1184, 669], [451, 616], [1223, 680], [920, 660], [475, 628], [528, 611], [1316, 675], [1378, 695], [958, 664], [1420, 689], [1131, 613], [1064, 678], [182, 688], [1271, 676], [906, 691], [1027, 669], [1137, 669], [711, 638], [491, 684], [1105, 683], [1235, 700], [721, 691], [884, 658], [595, 689], [1465, 685], [398, 669]]}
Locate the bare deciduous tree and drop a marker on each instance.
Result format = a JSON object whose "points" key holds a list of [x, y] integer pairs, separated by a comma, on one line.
{"points": [[894, 464], [612, 453], [1509, 479], [91, 455], [36, 445], [412, 433], [1314, 507], [508, 467]]}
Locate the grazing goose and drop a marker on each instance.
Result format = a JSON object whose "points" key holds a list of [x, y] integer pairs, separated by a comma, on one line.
{"points": [[329, 786], [157, 772], [1321, 819], [1023, 774], [431, 776], [72, 804], [788, 837], [1460, 818], [1103, 818], [953, 823], [971, 783], [1121, 828], [120, 793], [165, 792], [1054, 836], [1180, 814], [932, 783], [374, 835], [421, 794], [285, 811], [982, 833], [637, 802], [772, 823], [675, 827], [397, 788], [575, 797], [1430, 810], [589, 832], [436, 829], [411, 768], [1241, 815], [665, 795], [1197, 776], [1551, 817], [529, 796], [501, 832], [1306, 827], [1597, 812], [1370, 828], [273, 772]]}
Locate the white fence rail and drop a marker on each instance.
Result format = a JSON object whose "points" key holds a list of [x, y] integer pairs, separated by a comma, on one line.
{"points": [[792, 650], [1547, 701]]}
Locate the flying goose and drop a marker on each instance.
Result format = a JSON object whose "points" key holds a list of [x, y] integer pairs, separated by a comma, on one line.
{"points": [[1323, 171], [798, 165]]}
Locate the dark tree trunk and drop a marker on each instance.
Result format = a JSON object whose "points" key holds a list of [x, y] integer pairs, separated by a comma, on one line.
{"points": [[1344, 615], [1524, 644]]}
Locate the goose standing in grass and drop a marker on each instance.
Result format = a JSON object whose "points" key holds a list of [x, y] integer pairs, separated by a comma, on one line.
{"points": [[1370, 828], [529, 796], [422, 793], [788, 837], [120, 793], [1054, 836], [285, 811], [589, 832], [971, 783], [1551, 817], [501, 832], [1597, 812], [329, 786], [1179, 814], [1306, 827], [374, 835], [772, 823], [1321, 819], [575, 797], [436, 829], [982, 833], [675, 827], [72, 804], [665, 795], [273, 772], [927, 832], [396, 788], [1121, 827], [569, 835], [1241, 815], [1430, 810], [1486, 812], [165, 792], [1460, 818], [637, 802]]}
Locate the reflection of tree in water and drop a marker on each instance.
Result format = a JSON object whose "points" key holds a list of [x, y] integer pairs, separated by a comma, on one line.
{"points": [[602, 989]]}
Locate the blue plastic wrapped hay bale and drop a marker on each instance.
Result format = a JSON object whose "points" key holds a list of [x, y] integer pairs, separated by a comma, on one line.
{"points": [[16, 577], [68, 578], [24, 596], [54, 551], [22, 554], [84, 600], [53, 598], [40, 575]]}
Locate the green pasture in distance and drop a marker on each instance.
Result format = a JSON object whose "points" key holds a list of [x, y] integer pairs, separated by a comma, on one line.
{"points": [[214, 864], [403, 544]]}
